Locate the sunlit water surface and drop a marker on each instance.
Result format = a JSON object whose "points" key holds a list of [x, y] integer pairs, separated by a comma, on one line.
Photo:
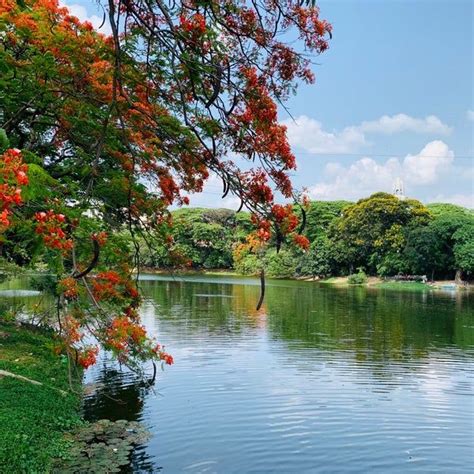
{"points": [[319, 380]]}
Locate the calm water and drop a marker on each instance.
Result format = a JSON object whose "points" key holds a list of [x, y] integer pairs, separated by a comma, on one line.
{"points": [[319, 380]]}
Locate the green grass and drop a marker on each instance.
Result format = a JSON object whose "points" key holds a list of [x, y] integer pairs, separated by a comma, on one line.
{"points": [[403, 285], [33, 418]]}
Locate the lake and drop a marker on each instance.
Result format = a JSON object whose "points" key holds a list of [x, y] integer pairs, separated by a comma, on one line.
{"points": [[321, 379]]}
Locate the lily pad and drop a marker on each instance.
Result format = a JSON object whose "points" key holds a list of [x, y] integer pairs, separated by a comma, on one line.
{"points": [[103, 446]]}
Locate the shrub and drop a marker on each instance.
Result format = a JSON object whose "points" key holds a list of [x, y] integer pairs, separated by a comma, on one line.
{"points": [[358, 278]]}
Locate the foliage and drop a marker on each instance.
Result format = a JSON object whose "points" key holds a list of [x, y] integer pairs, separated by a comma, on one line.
{"points": [[203, 238], [443, 209], [246, 263], [281, 264], [464, 247], [8, 269], [103, 446], [403, 237], [453, 228], [358, 278], [424, 252], [372, 228], [319, 260], [101, 135], [320, 215], [33, 418]]}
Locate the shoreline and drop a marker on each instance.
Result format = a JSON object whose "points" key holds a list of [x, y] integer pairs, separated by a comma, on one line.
{"points": [[38, 405], [42, 427], [340, 282]]}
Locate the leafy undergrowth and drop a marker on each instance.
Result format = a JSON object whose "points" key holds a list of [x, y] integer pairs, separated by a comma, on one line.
{"points": [[104, 446], [404, 285], [34, 418]]}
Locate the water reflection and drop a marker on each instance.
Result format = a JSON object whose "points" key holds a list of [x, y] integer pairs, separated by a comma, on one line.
{"points": [[18, 297], [320, 379], [352, 379], [117, 394], [375, 325]]}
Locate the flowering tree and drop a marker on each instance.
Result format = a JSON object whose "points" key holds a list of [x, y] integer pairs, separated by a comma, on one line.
{"points": [[105, 132]]}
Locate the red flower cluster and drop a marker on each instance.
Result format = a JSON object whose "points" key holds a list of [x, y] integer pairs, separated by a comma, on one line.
{"points": [[71, 328], [69, 287], [113, 285], [285, 217], [105, 285], [12, 177], [312, 29], [100, 238], [162, 355], [268, 137], [301, 241], [51, 227], [256, 187], [195, 24], [122, 333], [88, 357], [262, 234]]}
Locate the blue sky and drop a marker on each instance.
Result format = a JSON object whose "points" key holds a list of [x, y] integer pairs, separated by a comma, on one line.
{"points": [[393, 99]]}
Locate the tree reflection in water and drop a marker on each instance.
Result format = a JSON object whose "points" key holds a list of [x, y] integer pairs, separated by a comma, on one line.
{"points": [[119, 395]]}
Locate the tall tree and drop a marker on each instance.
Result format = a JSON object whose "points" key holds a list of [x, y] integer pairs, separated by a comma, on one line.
{"points": [[424, 252], [320, 216], [111, 131], [453, 227], [372, 231]]}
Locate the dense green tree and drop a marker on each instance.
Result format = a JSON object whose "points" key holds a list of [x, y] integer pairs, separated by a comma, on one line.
{"points": [[319, 260], [424, 252], [464, 249], [320, 215], [453, 227], [280, 264], [443, 209], [381, 234], [372, 229], [203, 238]]}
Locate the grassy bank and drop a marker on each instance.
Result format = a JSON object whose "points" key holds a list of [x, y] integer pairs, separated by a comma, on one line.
{"points": [[376, 282], [33, 418], [340, 281], [404, 285]]}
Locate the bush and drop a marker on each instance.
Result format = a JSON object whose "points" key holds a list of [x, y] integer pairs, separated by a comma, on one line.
{"points": [[248, 264], [358, 278], [281, 264], [318, 261]]}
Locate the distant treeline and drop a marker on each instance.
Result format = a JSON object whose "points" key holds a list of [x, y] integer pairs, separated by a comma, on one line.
{"points": [[380, 235]]}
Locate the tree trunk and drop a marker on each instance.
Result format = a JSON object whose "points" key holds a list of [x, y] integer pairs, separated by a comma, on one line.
{"points": [[458, 277]]}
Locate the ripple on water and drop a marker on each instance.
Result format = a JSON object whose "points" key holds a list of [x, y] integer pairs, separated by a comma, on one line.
{"points": [[320, 380]]}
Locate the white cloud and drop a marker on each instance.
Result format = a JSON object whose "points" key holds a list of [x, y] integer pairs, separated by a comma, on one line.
{"points": [[308, 134], [366, 176], [424, 168], [465, 200], [404, 123], [81, 12], [470, 115]]}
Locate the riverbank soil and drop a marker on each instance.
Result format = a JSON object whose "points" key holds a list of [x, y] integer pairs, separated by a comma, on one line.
{"points": [[37, 405]]}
